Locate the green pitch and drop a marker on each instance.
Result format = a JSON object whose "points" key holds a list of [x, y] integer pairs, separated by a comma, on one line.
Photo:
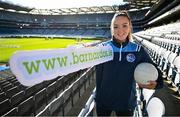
{"points": [[10, 45]]}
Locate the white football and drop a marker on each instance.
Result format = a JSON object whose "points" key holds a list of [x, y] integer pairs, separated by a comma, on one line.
{"points": [[145, 72]]}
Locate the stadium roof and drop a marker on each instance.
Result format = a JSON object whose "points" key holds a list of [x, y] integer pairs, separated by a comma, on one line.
{"points": [[81, 10], [141, 3], [7, 6], [132, 4]]}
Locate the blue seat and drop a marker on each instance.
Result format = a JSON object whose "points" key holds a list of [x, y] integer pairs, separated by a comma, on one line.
{"points": [[1, 90], [76, 91], [7, 87], [26, 108], [40, 100], [160, 58], [45, 112], [12, 112], [5, 84], [12, 79], [17, 98], [51, 92], [56, 107], [4, 106], [170, 66], [59, 86], [38, 87], [165, 60], [2, 81], [30, 91], [176, 79], [2, 96], [82, 85], [12, 91], [177, 50], [67, 97], [16, 83]]}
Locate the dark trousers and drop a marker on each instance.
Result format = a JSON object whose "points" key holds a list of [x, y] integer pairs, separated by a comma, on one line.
{"points": [[104, 112]]}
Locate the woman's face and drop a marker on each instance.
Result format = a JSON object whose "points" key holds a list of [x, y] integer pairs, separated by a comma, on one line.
{"points": [[121, 28]]}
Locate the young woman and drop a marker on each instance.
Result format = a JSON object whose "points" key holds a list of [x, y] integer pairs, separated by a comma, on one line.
{"points": [[115, 84]]}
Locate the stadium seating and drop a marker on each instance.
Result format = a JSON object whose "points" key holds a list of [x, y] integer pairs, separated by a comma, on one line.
{"points": [[15, 97], [168, 53], [56, 107], [12, 91], [164, 51], [2, 96], [59, 85], [40, 100], [26, 108], [62, 104], [51, 92], [176, 74], [5, 106], [85, 25], [44, 112], [12, 112], [88, 109]]}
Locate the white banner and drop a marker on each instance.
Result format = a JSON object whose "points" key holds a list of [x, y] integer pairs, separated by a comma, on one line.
{"points": [[33, 67]]}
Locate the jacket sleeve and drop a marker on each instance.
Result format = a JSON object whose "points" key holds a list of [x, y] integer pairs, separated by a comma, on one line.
{"points": [[99, 77], [146, 58]]}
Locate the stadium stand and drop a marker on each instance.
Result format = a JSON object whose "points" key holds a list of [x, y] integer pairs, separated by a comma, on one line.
{"points": [[94, 25], [170, 49], [37, 97], [156, 26]]}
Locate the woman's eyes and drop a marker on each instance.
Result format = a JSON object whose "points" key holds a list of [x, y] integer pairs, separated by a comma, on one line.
{"points": [[124, 26]]}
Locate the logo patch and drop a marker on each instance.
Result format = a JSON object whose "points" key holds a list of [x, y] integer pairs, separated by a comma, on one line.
{"points": [[130, 57]]}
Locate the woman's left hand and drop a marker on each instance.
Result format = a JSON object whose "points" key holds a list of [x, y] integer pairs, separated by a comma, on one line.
{"points": [[150, 85]]}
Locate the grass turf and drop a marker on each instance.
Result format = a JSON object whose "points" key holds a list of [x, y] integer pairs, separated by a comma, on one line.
{"points": [[10, 45]]}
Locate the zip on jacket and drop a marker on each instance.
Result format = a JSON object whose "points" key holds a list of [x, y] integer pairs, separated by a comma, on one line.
{"points": [[120, 52]]}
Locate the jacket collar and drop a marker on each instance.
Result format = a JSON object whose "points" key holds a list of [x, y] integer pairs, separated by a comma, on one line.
{"points": [[117, 44]]}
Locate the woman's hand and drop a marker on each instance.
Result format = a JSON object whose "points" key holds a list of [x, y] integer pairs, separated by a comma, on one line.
{"points": [[150, 85]]}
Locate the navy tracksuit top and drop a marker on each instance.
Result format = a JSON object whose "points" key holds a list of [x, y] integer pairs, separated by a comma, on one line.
{"points": [[115, 84]]}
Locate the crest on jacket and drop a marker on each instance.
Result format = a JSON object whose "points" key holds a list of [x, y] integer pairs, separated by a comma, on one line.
{"points": [[130, 57]]}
